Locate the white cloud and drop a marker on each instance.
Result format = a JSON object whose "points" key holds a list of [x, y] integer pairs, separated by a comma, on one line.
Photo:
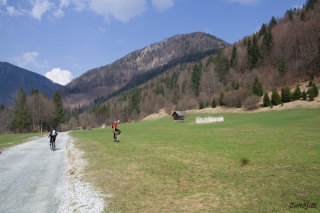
{"points": [[101, 29], [59, 76], [246, 2], [64, 3], [58, 13], [13, 12], [40, 7], [29, 58], [122, 10], [3, 2], [162, 4]]}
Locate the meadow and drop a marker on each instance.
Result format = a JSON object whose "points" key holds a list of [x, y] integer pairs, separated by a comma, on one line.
{"points": [[251, 162], [9, 140]]}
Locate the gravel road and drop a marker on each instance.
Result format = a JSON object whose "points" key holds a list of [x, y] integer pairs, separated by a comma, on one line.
{"points": [[33, 178]]}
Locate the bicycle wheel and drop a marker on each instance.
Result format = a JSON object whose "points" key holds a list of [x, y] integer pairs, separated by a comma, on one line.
{"points": [[50, 145], [53, 145]]}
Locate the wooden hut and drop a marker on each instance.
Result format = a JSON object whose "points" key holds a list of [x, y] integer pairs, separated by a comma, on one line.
{"points": [[178, 116]]}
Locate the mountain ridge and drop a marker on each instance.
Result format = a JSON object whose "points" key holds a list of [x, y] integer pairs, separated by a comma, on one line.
{"points": [[13, 78], [139, 66]]}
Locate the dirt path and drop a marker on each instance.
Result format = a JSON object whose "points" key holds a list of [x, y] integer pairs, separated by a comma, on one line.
{"points": [[30, 173], [35, 179]]}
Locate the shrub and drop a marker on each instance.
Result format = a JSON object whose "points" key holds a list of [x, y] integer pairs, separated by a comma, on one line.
{"points": [[252, 102], [285, 94], [266, 100], [275, 97], [296, 94], [234, 98]]}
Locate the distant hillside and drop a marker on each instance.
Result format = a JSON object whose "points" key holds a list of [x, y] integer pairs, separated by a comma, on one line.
{"points": [[13, 78], [283, 54], [138, 67]]}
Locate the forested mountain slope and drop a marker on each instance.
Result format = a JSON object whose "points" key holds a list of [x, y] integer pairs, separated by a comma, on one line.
{"points": [[138, 67], [13, 78]]}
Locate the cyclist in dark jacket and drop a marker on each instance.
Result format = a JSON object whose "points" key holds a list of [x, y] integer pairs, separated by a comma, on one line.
{"points": [[53, 134]]}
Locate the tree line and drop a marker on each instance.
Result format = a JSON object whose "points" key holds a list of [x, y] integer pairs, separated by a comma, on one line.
{"points": [[36, 113]]}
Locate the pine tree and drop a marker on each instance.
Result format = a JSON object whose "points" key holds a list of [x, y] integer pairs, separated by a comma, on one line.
{"points": [[272, 22], [253, 52], [282, 66], [311, 94], [21, 118], [285, 94], [214, 103], [267, 43], [266, 100], [201, 105], [296, 94], [221, 99], [57, 100], [233, 56], [275, 98], [196, 79], [257, 88], [290, 12], [315, 90], [222, 65], [303, 15], [263, 30], [304, 95]]}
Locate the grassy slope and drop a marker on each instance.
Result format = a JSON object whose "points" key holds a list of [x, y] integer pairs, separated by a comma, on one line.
{"points": [[8, 140], [165, 166]]}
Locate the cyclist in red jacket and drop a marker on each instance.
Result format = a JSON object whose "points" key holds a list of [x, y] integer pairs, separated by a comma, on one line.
{"points": [[115, 128]]}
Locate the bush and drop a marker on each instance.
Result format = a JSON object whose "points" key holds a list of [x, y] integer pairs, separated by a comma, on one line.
{"points": [[285, 94], [252, 102], [235, 98], [275, 97], [266, 100]]}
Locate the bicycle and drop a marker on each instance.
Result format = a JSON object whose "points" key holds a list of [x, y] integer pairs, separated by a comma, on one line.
{"points": [[117, 137], [52, 143]]}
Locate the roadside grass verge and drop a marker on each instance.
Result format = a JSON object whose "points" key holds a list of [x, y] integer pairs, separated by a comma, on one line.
{"points": [[8, 140], [251, 162]]}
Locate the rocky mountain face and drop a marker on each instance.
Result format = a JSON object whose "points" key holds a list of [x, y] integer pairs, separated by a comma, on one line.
{"points": [[13, 78], [138, 67]]}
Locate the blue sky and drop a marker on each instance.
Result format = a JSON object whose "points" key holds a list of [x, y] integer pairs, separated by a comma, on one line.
{"points": [[62, 39]]}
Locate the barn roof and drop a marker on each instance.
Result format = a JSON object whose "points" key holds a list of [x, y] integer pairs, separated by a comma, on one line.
{"points": [[179, 113]]}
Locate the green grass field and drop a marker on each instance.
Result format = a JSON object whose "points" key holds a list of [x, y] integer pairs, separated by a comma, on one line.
{"points": [[8, 140], [251, 162]]}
